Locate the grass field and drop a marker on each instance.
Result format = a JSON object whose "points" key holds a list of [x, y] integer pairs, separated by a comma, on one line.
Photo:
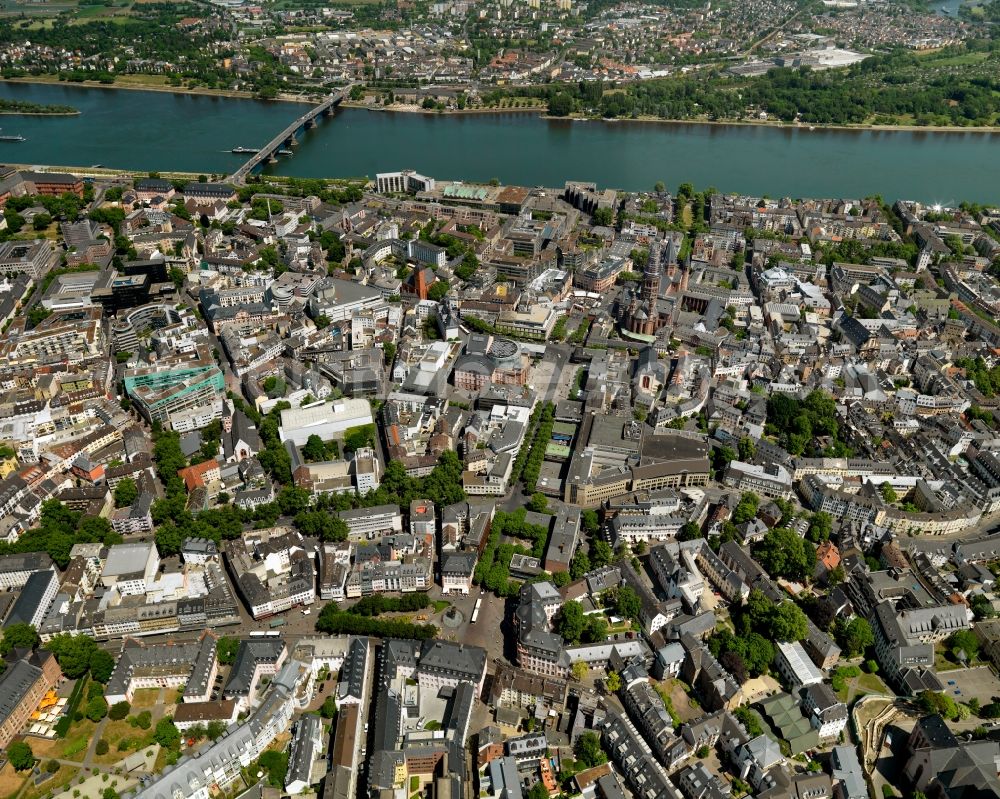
{"points": [[46, 11], [113, 732], [76, 743], [144, 699], [963, 60], [10, 780]]}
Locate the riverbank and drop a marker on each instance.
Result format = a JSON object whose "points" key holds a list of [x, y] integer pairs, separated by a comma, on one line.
{"points": [[200, 91], [39, 113], [401, 108], [758, 123], [103, 171], [779, 125]]}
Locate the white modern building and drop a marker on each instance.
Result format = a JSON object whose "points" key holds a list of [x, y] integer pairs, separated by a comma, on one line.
{"points": [[326, 420], [131, 568], [795, 666]]}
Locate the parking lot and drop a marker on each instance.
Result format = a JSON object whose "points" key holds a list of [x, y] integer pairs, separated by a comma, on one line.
{"points": [[965, 684]]}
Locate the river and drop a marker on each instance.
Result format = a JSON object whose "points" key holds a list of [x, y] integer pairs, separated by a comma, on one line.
{"points": [[164, 131]]}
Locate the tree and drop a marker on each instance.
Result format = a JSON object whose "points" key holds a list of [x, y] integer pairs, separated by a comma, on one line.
{"points": [[97, 708], [627, 603], [538, 791], [613, 681], [166, 734], [588, 749], [746, 508], [600, 554], [73, 653], [314, 449], [102, 747], [119, 710], [836, 576], [854, 637], [579, 670], [783, 554], [595, 630], [734, 664], [226, 649], [820, 527], [689, 532], [20, 755], [569, 621], [438, 290], [788, 623], [579, 565], [659, 187], [936, 702], [538, 503], [329, 708], [101, 665], [144, 720], [749, 721], [747, 448], [758, 653], [323, 525], [276, 766], [982, 607], [126, 492], [215, 729], [888, 493], [19, 636], [963, 642], [560, 105], [603, 217]]}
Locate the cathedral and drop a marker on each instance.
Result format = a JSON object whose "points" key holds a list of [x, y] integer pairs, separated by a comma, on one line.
{"points": [[642, 312]]}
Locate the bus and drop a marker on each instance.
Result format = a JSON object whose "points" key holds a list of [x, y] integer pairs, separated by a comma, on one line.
{"points": [[257, 634], [475, 611]]}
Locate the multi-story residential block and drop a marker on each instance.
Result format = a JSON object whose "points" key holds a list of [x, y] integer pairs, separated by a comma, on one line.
{"points": [[256, 658], [28, 676], [33, 258], [34, 600], [367, 523], [272, 571], [771, 480], [169, 665], [16, 569], [220, 765], [539, 650], [826, 713]]}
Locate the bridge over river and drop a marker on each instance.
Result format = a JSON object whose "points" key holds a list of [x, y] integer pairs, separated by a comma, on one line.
{"points": [[268, 154]]}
